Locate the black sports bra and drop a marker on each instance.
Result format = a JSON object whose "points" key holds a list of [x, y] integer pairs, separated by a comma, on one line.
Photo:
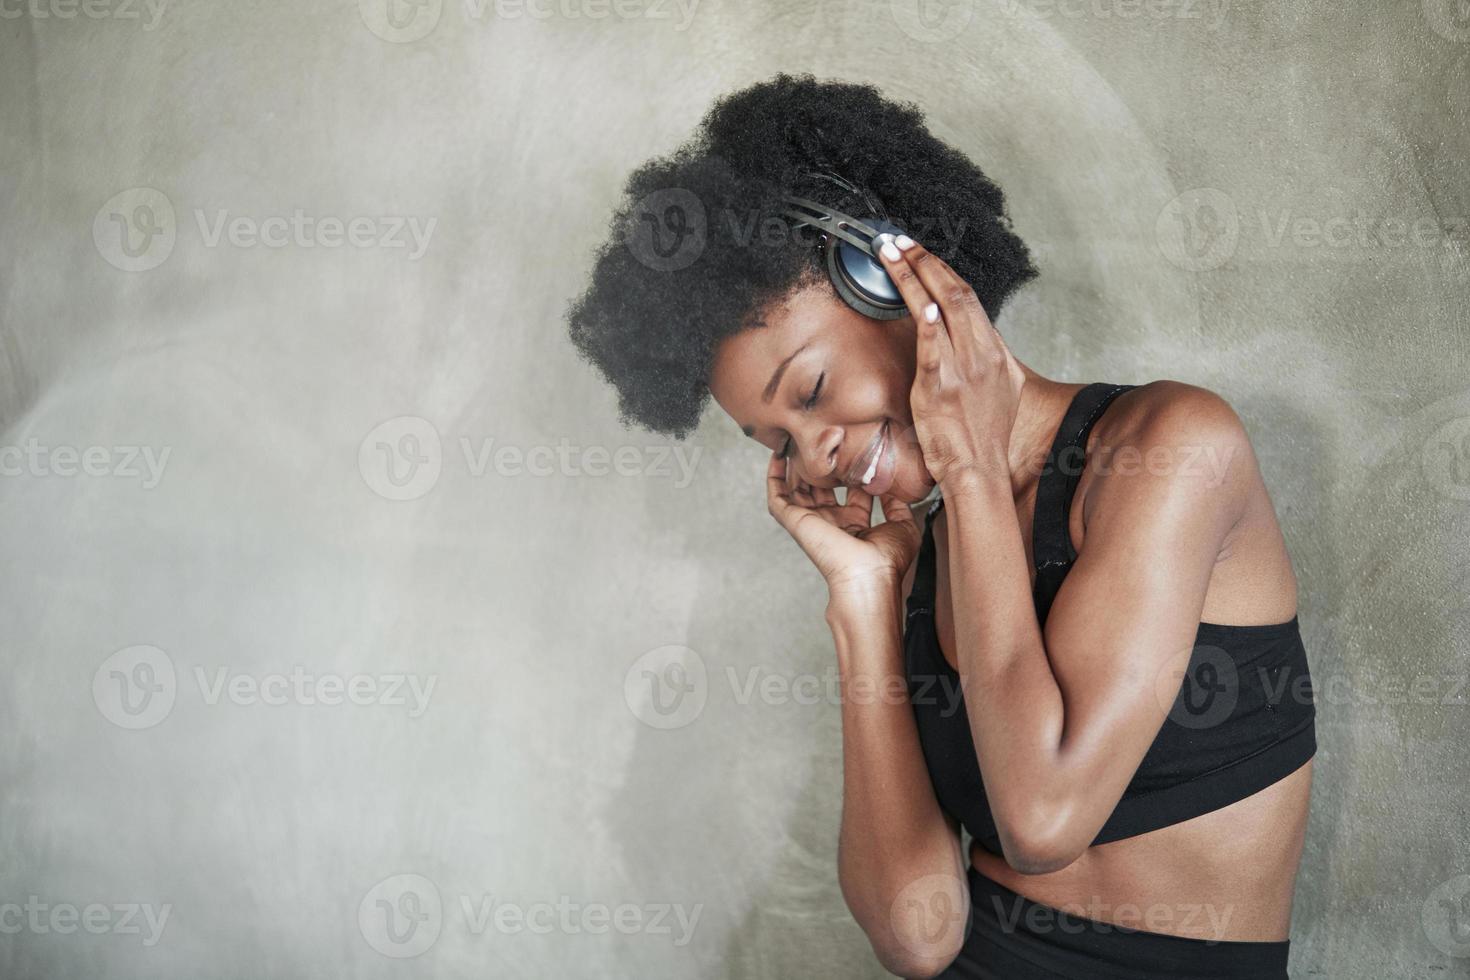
{"points": [[1243, 719]]}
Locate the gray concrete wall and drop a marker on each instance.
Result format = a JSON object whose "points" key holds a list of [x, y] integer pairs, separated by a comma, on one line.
{"points": [[1267, 199]]}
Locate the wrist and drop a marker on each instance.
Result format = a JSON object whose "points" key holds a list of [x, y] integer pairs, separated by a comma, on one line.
{"points": [[865, 596], [973, 480]]}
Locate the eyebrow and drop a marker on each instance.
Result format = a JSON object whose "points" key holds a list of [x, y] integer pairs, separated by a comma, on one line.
{"points": [[774, 383]]}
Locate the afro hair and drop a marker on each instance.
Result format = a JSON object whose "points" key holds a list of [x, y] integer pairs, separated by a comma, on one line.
{"points": [[698, 249]]}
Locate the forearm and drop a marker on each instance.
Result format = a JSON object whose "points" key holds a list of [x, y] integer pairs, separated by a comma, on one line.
{"points": [[893, 832], [1017, 712]]}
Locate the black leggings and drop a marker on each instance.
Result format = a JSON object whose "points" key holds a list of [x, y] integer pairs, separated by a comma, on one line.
{"points": [[1014, 938]]}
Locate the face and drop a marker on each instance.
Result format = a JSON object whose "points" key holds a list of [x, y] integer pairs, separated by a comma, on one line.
{"points": [[829, 388]]}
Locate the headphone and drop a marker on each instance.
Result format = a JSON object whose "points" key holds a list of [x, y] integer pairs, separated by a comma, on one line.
{"points": [[850, 249]]}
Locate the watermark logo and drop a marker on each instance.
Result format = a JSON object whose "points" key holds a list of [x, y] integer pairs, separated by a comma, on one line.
{"points": [[1202, 694], [1446, 916], [401, 21], [544, 10], [401, 459], [570, 917], [928, 912], [667, 687], [135, 687], [135, 230], [401, 916], [1210, 13], [667, 230], [1446, 458], [932, 21], [1450, 19], [1202, 229], [1198, 230], [1100, 918], [757, 228]]}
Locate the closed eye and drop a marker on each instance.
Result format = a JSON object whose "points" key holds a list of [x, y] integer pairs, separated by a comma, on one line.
{"points": [[808, 405]]}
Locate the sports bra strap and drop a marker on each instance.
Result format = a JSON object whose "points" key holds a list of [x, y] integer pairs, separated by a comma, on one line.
{"points": [[1051, 541], [921, 596]]}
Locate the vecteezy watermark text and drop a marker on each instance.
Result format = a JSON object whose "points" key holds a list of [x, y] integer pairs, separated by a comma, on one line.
{"points": [[1210, 13], [137, 687], [403, 458], [35, 458], [304, 230], [95, 918], [44, 10], [404, 914], [136, 230], [1097, 916]]}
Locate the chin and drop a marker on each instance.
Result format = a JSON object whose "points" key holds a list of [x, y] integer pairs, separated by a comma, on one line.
{"points": [[926, 488], [913, 482]]}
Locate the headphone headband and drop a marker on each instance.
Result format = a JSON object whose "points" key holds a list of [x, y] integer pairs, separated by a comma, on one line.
{"points": [[851, 248]]}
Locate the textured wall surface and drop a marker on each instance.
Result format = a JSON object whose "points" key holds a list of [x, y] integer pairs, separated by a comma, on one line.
{"points": [[334, 603]]}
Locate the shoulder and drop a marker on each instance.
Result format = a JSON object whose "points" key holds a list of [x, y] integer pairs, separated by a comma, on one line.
{"points": [[1166, 440], [1171, 412]]}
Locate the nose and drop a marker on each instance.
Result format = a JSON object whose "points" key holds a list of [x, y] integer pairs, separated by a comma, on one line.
{"points": [[818, 451]]}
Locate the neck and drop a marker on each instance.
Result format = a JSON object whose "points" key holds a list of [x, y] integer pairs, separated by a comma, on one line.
{"points": [[1042, 405]]}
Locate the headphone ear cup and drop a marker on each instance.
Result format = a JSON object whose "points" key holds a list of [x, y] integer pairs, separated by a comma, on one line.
{"points": [[861, 280]]}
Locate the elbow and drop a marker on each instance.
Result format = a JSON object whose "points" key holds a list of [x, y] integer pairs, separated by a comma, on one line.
{"points": [[920, 925], [1042, 846], [918, 962], [1039, 859]]}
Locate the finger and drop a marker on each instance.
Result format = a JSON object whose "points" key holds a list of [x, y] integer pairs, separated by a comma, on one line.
{"points": [[934, 342], [775, 472], [915, 296], [969, 325], [797, 490], [824, 496], [861, 502], [778, 495], [896, 510], [934, 349]]}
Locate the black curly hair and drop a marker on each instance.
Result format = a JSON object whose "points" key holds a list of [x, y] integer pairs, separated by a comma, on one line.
{"points": [[698, 252]]}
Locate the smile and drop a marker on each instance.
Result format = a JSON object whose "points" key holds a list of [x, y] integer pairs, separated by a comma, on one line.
{"points": [[874, 456]]}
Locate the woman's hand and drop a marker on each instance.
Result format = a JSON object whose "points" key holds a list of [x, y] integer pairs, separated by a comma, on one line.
{"points": [[853, 554], [967, 385]]}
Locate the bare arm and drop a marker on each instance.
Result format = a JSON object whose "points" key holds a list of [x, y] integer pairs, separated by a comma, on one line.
{"points": [[1067, 716], [899, 858]]}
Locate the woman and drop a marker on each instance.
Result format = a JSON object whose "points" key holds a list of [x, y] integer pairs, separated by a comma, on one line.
{"points": [[1094, 638]]}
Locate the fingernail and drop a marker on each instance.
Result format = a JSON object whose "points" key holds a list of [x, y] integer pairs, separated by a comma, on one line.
{"points": [[904, 242], [931, 313], [890, 253]]}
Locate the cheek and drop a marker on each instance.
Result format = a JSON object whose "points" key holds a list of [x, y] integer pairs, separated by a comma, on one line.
{"points": [[879, 389], [898, 384]]}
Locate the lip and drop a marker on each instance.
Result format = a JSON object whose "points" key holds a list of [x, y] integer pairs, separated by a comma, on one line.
{"points": [[878, 448]]}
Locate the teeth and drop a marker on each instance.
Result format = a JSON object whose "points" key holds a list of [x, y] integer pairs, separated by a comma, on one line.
{"points": [[873, 466]]}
